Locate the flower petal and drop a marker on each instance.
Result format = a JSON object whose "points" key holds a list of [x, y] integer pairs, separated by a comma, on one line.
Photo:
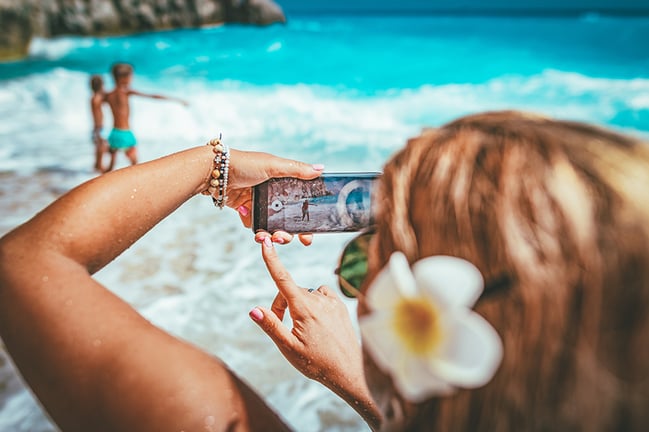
{"points": [[394, 281], [414, 380], [381, 343], [412, 376], [450, 280], [471, 353]]}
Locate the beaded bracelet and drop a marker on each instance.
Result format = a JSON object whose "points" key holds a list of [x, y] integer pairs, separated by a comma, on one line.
{"points": [[218, 185]]}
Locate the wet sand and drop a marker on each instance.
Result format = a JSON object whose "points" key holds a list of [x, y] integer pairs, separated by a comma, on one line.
{"points": [[22, 195]]}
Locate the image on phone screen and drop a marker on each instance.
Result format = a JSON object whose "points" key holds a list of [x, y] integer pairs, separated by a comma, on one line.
{"points": [[333, 202]]}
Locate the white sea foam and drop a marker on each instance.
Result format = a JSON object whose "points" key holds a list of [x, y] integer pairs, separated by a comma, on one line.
{"points": [[345, 131], [56, 48]]}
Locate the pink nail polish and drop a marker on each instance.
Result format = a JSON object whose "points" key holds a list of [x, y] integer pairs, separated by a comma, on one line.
{"points": [[243, 210], [256, 314], [280, 240], [318, 167], [268, 242]]}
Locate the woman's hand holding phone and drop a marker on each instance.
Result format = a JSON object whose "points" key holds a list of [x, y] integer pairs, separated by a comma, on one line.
{"points": [[248, 169]]}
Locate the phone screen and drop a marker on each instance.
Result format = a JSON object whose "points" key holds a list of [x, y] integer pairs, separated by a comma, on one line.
{"points": [[333, 202]]}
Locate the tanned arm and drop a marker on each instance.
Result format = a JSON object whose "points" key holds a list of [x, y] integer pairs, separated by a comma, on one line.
{"points": [[91, 359]]}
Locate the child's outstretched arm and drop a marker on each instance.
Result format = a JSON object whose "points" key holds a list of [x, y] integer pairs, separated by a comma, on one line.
{"points": [[91, 359], [159, 96]]}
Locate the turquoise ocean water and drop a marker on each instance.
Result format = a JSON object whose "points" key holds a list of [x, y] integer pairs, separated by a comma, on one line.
{"points": [[343, 90]]}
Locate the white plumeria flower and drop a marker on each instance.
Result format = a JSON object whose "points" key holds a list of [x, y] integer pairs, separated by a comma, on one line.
{"points": [[422, 331]]}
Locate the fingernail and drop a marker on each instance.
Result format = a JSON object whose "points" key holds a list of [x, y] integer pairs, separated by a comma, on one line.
{"points": [[243, 210], [280, 240], [268, 243], [317, 167], [256, 314]]}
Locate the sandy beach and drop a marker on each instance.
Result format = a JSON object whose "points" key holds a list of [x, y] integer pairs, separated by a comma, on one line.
{"points": [[22, 195]]}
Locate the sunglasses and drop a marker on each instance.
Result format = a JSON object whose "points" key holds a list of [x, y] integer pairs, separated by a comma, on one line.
{"points": [[352, 269], [352, 266]]}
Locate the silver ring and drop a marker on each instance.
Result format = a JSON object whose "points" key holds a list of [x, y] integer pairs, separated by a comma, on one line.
{"points": [[311, 290]]}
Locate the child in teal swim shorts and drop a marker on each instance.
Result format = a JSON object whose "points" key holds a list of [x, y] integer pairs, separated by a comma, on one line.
{"points": [[121, 137]]}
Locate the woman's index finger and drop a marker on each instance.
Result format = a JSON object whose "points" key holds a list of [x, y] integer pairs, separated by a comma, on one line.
{"points": [[278, 272]]}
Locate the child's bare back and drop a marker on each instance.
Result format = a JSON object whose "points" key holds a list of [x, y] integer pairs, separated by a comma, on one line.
{"points": [[118, 102]]}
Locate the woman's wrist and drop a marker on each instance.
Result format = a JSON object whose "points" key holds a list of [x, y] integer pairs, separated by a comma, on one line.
{"points": [[204, 157], [358, 396]]}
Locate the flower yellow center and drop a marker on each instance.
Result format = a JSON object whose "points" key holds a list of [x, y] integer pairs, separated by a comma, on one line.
{"points": [[417, 324]]}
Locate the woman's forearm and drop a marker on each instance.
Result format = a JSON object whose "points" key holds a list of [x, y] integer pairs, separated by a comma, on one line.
{"points": [[98, 220]]}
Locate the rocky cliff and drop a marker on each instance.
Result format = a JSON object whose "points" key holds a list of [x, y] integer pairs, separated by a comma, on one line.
{"points": [[20, 20], [293, 190]]}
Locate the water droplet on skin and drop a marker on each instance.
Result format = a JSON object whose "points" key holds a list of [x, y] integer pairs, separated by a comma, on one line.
{"points": [[209, 422]]}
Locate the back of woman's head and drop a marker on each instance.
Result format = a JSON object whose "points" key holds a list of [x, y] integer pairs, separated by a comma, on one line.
{"points": [[556, 216]]}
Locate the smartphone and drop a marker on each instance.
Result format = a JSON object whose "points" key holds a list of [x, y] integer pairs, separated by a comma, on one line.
{"points": [[333, 202]]}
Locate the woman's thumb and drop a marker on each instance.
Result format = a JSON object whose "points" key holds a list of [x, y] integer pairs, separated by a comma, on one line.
{"points": [[297, 169]]}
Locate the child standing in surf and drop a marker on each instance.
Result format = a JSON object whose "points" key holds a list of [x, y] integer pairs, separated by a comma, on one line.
{"points": [[121, 137], [96, 100]]}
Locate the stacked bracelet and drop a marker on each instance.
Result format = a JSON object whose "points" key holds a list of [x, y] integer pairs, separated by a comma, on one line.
{"points": [[218, 185]]}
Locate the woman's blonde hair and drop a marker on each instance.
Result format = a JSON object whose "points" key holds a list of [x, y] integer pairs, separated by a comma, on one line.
{"points": [[556, 215]]}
